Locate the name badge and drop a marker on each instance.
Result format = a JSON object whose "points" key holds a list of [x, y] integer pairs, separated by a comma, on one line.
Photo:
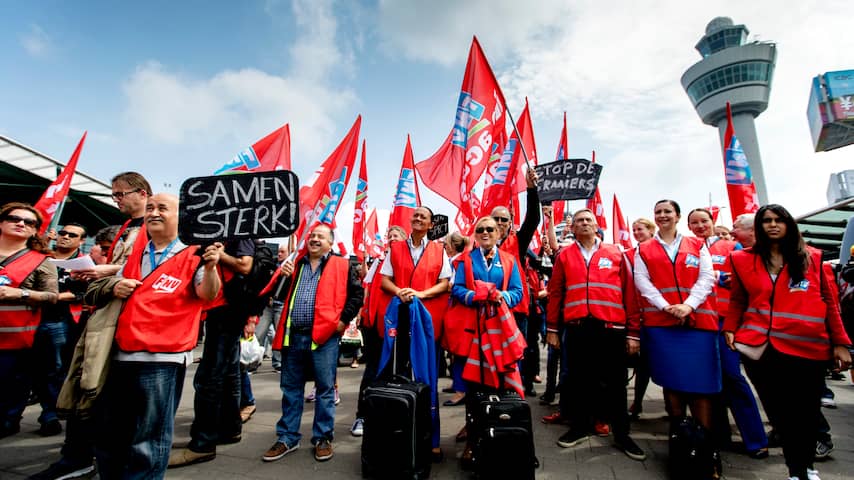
{"points": [[605, 263], [801, 286]]}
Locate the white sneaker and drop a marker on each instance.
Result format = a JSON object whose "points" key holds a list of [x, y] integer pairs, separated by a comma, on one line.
{"points": [[828, 402], [337, 397], [812, 474], [358, 428]]}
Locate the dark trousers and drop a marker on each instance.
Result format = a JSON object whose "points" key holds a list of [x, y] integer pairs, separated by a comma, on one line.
{"points": [[531, 360], [15, 371], [595, 383], [790, 389], [371, 351]]}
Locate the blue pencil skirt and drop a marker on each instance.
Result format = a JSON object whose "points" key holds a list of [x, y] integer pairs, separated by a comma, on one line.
{"points": [[683, 359]]}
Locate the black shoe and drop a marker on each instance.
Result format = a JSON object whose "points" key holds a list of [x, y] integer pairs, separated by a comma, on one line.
{"points": [[530, 392], [228, 440], [823, 449], [547, 398], [449, 390], [572, 438], [630, 448], [9, 429], [774, 439], [63, 470], [50, 428]]}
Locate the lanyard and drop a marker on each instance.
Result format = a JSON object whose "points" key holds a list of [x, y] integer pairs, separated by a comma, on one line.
{"points": [[153, 257]]}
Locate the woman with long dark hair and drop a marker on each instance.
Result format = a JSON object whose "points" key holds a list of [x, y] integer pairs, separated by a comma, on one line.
{"points": [[784, 319], [27, 280]]}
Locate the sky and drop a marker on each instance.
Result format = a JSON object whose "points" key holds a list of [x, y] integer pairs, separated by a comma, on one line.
{"points": [[175, 89]]}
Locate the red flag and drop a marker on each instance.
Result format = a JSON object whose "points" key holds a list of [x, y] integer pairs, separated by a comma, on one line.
{"points": [[372, 234], [406, 196], [595, 204], [739, 182], [56, 192], [506, 177], [559, 206], [715, 211], [454, 169], [272, 152], [621, 228], [321, 196], [360, 209]]}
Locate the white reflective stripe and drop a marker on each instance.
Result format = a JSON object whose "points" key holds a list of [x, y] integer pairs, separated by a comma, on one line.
{"points": [[512, 338], [797, 316], [606, 285], [575, 286], [510, 382], [674, 289], [472, 361], [494, 331], [706, 311], [649, 309], [14, 308], [572, 304], [798, 338], [759, 311], [18, 329], [723, 299], [606, 304], [756, 328]]}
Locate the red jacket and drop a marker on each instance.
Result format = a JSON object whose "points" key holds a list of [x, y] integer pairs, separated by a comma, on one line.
{"points": [[674, 279], [328, 303], [511, 246], [798, 319], [602, 289], [163, 314], [422, 276], [720, 251], [18, 322]]}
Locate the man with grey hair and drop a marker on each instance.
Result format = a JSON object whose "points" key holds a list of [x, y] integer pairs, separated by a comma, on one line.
{"points": [[742, 230]]}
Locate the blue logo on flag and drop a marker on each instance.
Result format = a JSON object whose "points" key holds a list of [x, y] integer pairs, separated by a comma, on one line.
{"points": [[336, 189], [405, 196], [245, 158], [467, 109], [692, 261], [736, 166]]}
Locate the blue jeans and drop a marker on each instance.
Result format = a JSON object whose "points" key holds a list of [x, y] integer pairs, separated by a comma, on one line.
{"points": [[266, 330], [49, 366], [217, 381], [15, 379], [137, 418], [246, 396], [298, 360]]}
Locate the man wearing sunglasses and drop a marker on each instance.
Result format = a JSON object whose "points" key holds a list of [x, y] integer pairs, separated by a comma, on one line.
{"points": [[516, 244]]}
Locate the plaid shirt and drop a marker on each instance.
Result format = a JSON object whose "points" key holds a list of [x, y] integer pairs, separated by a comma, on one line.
{"points": [[302, 308]]}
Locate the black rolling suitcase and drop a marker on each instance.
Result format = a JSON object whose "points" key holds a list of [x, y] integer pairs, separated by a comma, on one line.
{"points": [[397, 438]]}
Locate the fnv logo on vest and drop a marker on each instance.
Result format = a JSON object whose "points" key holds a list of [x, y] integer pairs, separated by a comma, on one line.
{"points": [[605, 263], [4, 280], [718, 259], [692, 261], [166, 284], [801, 286]]}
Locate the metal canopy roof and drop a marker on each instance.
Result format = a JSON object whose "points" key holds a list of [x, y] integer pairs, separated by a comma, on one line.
{"points": [[825, 228]]}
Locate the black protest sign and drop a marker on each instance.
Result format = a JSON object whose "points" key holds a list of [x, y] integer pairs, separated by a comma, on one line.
{"points": [[568, 179], [239, 206], [440, 227]]}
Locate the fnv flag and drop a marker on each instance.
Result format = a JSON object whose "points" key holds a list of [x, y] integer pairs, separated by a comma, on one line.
{"points": [[56, 192], [595, 204], [360, 209], [621, 227], [505, 176], [739, 182], [406, 196], [373, 237], [559, 206], [272, 152], [454, 169]]}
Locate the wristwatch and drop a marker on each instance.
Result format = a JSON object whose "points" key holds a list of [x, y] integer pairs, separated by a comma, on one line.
{"points": [[25, 294]]}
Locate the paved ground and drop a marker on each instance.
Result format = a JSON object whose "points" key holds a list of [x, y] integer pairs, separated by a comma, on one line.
{"points": [[26, 453]]}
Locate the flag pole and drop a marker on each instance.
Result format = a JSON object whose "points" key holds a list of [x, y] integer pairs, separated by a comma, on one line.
{"points": [[521, 142]]}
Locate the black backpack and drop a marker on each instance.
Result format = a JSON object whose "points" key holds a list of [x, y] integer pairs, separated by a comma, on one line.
{"points": [[244, 291]]}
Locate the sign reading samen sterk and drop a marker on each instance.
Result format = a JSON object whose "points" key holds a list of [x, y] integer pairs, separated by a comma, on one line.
{"points": [[240, 206], [568, 179]]}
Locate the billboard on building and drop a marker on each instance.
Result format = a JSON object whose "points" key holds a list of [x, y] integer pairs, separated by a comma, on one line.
{"points": [[830, 112]]}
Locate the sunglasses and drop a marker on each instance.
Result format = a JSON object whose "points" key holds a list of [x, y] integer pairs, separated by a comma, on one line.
{"points": [[484, 229], [501, 219], [121, 195], [30, 222], [66, 233]]}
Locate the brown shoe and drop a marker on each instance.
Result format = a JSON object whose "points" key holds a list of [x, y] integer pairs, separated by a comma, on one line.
{"points": [[323, 450], [246, 413], [462, 435], [181, 457], [277, 451], [467, 459]]}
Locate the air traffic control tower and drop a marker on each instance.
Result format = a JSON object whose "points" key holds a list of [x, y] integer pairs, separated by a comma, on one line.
{"points": [[733, 70]]}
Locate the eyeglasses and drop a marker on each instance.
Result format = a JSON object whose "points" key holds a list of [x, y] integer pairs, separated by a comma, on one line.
{"points": [[501, 219], [66, 233], [484, 229], [30, 222], [121, 195]]}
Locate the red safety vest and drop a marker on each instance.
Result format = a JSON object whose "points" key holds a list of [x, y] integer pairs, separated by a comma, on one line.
{"points": [[720, 251], [594, 289], [18, 323], [511, 246], [328, 302], [674, 280], [791, 316], [459, 323], [422, 276]]}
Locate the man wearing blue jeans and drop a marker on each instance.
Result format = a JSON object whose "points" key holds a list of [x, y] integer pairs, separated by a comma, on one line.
{"points": [[323, 294]]}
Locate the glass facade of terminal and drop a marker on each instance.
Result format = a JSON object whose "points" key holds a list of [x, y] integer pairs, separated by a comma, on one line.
{"points": [[724, 38], [733, 74]]}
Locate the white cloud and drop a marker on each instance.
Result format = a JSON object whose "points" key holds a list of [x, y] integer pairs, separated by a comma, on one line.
{"points": [[36, 41]]}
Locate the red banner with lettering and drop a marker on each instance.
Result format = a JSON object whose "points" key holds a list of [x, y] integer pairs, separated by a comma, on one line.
{"points": [[559, 206], [272, 152], [406, 196], [595, 204], [360, 209], [739, 181], [56, 192], [505, 177], [621, 227]]}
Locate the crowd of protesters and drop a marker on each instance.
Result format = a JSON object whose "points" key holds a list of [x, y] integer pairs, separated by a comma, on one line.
{"points": [[107, 347]]}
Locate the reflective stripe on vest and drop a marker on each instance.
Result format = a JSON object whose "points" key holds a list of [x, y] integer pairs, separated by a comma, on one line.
{"points": [[593, 289]]}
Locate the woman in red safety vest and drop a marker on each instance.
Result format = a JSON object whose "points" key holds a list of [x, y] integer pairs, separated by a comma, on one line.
{"points": [[784, 319], [642, 229], [27, 280], [455, 245]]}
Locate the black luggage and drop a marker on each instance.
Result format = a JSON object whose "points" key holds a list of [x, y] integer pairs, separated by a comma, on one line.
{"points": [[397, 432], [692, 454]]}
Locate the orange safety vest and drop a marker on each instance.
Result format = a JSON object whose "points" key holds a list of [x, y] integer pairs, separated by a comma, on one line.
{"points": [[674, 280], [328, 302], [791, 316], [511, 246], [594, 289], [18, 323], [421, 276], [720, 251], [459, 323], [163, 314]]}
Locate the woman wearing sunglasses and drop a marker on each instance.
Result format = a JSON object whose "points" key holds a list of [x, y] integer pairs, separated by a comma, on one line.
{"points": [[487, 283], [27, 280], [784, 319]]}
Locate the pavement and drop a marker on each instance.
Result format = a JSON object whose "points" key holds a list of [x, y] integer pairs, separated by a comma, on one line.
{"points": [[594, 459]]}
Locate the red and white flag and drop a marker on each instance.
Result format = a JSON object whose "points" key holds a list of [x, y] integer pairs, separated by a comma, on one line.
{"points": [[272, 152], [595, 204], [56, 192], [452, 172], [406, 196], [360, 209], [559, 206], [505, 177], [374, 239], [621, 227], [739, 181]]}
